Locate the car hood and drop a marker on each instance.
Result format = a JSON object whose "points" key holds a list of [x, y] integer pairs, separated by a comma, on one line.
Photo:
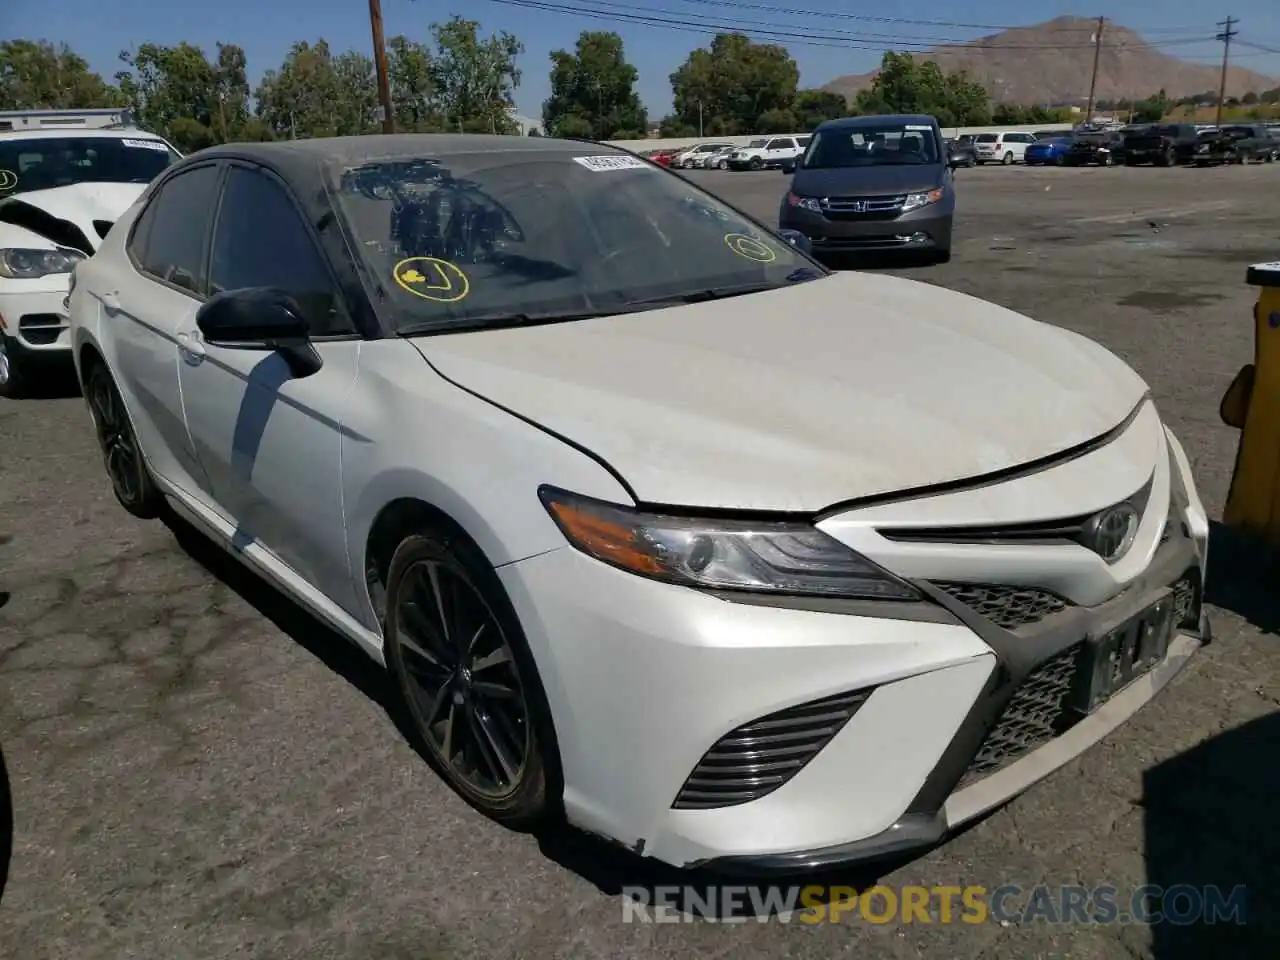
{"points": [[799, 398], [82, 206], [868, 181]]}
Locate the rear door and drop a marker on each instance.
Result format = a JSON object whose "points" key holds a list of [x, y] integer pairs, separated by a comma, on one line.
{"points": [[147, 306]]}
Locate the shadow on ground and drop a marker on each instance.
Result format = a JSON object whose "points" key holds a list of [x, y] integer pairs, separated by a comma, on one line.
{"points": [[55, 383], [1213, 846], [1244, 577]]}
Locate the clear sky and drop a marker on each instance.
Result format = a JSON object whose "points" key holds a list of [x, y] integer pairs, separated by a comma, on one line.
{"points": [[827, 37]]}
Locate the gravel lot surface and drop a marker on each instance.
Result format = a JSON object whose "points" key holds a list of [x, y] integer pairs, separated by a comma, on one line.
{"points": [[200, 770]]}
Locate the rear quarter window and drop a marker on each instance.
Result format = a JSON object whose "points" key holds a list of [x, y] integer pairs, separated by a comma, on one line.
{"points": [[987, 138]]}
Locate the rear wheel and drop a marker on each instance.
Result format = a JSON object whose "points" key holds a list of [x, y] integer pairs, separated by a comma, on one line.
{"points": [[1008, 158], [126, 468], [468, 679]]}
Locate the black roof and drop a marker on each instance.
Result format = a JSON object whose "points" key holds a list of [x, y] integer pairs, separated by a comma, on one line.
{"points": [[303, 159], [843, 123]]}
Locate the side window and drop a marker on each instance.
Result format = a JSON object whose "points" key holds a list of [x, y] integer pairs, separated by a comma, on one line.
{"points": [[261, 241], [169, 242]]}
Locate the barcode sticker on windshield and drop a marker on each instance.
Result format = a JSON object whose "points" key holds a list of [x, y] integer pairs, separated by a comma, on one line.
{"points": [[611, 162], [917, 126], [147, 145]]}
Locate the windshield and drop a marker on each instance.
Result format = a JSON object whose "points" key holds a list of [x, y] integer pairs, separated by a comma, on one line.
{"points": [[44, 162], [756, 144], [889, 144], [501, 237]]}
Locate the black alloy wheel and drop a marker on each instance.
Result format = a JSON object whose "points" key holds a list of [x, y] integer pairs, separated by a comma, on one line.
{"points": [[120, 451], [467, 679]]}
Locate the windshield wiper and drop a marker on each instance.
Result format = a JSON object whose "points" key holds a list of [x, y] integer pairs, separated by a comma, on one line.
{"points": [[514, 318], [723, 293]]}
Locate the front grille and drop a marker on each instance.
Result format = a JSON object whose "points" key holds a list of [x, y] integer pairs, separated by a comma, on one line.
{"points": [[759, 757], [1004, 605], [863, 208], [1035, 714]]}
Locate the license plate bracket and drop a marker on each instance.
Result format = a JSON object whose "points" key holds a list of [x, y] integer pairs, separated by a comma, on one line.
{"points": [[1113, 659]]}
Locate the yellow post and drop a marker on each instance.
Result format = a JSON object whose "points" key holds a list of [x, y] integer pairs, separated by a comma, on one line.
{"points": [[1252, 404]]}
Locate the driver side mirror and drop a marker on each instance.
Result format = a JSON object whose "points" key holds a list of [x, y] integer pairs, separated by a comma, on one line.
{"points": [[260, 318], [797, 240]]}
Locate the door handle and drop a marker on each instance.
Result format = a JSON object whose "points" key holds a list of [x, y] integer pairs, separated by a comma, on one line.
{"points": [[190, 345], [111, 301]]}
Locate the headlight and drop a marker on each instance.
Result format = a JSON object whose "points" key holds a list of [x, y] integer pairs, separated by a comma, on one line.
{"points": [[762, 557], [917, 200], [804, 203], [20, 264]]}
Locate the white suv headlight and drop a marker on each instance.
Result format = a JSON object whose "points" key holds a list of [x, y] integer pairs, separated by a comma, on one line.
{"points": [[17, 263]]}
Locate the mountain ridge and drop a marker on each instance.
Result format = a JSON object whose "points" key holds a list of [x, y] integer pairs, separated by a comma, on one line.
{"points": [[1051, 62]]}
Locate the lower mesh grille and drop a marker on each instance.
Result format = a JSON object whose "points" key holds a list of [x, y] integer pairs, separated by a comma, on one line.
{"points": [[1036, 714], [759, 757], [1006, 606]]}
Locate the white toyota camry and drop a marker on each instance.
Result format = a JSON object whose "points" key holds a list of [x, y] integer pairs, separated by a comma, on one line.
{"points": [[654, 520]]}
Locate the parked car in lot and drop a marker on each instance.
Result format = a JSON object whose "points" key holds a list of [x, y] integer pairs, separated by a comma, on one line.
{"points": [[1048, 151], [771, 154], [961, 153], [694, 156], [1161, 144], [1002, 147], [1102, 148], [720, 159], [420, 398], [1239, 143], [60, 191], [874, 184]]}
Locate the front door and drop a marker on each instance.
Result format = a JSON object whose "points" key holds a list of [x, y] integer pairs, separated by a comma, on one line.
{"points": [[270, 442]]}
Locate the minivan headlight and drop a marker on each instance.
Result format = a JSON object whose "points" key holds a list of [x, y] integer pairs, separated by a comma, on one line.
{"points": [[804, 203], [779, 558], [917, 200]]}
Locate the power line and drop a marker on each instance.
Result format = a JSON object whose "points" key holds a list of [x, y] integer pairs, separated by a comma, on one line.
{"points": [[789, 33], [1225, 36]]}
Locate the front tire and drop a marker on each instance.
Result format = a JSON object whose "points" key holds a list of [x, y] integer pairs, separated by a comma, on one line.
{"points": [[14, 381], [468, 680], [121, 455], [756, 163]]}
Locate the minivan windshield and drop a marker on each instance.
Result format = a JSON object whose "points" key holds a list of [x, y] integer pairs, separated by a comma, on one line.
{"points": [[41, 163], [490, 238], [868, 145]]}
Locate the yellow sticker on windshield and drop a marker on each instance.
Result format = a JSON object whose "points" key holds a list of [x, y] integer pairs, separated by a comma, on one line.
{"points": [[8, 179], [750, 247], [432, 279]]}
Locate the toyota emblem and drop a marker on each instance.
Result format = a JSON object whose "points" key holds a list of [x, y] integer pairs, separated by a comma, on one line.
{"points": [[1110, 533]]}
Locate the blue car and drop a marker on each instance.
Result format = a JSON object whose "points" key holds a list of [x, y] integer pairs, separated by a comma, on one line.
{"points": [[1052, 151]]}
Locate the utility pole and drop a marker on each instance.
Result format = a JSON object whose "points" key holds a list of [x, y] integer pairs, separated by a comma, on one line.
{"points": [[1225, 36], [380, 61], [1093, 81], [699, 119]]}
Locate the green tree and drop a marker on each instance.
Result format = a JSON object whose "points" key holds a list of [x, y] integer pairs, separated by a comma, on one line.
{"points": [[178, 93], [907, 85], [413, 89], [593, 91], [732, 84], [34, 74], [475, 80], [315, 94], [813, 107]]}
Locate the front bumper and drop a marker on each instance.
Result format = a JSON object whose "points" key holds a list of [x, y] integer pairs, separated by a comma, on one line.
{"points": [[928, 228], [34, 320], [645, 680]]}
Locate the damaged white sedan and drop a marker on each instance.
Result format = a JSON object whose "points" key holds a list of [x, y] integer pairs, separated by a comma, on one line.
{"points": [[60, 192]]}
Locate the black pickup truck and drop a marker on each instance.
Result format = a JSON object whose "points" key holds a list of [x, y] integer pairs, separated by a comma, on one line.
{"points": [[1239, 143], [1162, 144]]}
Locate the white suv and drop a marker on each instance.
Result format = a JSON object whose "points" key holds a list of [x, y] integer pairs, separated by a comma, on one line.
{"points": [[1002, 147], [767, 154], [60, 192]]}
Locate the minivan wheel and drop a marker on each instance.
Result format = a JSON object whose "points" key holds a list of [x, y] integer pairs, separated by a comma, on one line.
{"points": [[468, 680], [1008, 158]]}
